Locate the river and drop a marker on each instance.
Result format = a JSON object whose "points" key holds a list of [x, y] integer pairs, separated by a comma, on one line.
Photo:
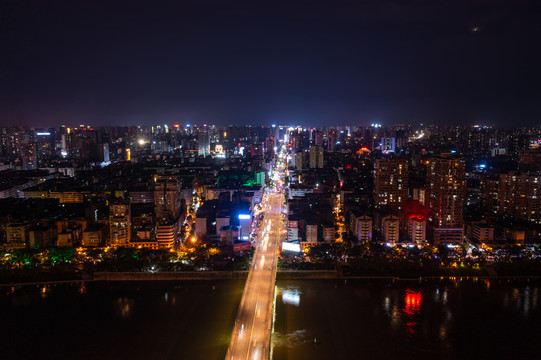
{"points": [[349, 319], [436, 319], [149, 320]]}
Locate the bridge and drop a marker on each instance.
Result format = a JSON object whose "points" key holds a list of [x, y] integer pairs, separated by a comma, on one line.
{"points": [[252, 331]]}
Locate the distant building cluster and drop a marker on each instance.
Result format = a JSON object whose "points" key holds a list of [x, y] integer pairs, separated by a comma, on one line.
{"points": [[414, 185], [143, 187], [159, 187]]}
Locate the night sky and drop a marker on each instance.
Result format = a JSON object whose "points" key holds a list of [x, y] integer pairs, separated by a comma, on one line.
{"points": [[260, 62]]}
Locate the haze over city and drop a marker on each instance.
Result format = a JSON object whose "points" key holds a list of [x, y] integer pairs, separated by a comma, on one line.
{"points": [[291, 62]]}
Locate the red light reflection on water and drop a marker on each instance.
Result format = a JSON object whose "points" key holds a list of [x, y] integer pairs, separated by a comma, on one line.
{"points": [[412, 306], [412, 302]]}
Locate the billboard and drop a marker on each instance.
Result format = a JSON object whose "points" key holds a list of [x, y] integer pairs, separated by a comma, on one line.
{"points": [[242, 246], [289, 246]]}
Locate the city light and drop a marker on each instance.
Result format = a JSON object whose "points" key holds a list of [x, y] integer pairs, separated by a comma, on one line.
{"points": [[294, 247], [291, 297]]}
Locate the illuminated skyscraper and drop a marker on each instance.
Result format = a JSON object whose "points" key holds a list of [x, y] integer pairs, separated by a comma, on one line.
{"points": [[517, 195], [446, 190], [391, 182]]}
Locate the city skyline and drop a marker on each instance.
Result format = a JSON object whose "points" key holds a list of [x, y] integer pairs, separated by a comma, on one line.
{"points": [[308, 63]]}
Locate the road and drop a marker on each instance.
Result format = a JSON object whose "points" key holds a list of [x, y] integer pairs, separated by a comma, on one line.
{"points": [[252, 331]]}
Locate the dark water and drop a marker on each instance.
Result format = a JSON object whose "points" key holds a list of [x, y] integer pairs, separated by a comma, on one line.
{"points": [[353, 319], [153, 320], [361, 319]]}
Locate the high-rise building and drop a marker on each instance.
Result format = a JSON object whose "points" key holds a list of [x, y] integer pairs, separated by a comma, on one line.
{"points": [[203, 142], [489, 193], [419, 195], [270, 145], [519, 196], [167, 197], [388, 144], [311, 233], [316, 137], [391, 182], [15, 141], [316, 157], [446, 191], [119, 224], [331, 140], [299, 160]]}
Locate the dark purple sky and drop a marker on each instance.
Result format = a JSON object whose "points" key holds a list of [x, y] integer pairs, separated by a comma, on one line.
{"points": [[261, 62]]}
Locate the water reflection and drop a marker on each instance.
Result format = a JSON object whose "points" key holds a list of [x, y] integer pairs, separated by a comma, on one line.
{"points": [[123, 307], [395, 318], [291, 296], [524, 300], [387, 304], [170, 298], [412, 307], [296, 338], [526, 308], [82, 288], [412, 302], [444, 299], [443, 332], [45, 289]]}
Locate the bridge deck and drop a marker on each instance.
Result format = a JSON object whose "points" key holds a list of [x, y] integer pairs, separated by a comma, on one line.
{"points": [[252, 331]]}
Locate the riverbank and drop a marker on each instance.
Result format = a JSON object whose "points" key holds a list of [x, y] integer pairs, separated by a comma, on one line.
{"points": [[29, 276], [238, 275], [170, 275]]}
